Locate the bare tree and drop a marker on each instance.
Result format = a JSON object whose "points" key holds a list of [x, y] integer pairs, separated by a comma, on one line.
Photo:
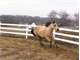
{"points": [[76, 19], [76, 16], [63, 14], [52, 14]]}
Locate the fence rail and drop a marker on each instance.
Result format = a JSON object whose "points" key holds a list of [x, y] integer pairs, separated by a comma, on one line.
{"points": [[67, 35], [68, 41], [9, 28], [70, 30], [30, 26], [13, 24]]}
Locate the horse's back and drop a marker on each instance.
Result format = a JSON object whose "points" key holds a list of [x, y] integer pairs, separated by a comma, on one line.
{"points": [[40, 30]]}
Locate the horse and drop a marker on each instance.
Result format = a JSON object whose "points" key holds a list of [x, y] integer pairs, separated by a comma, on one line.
{"points": [[46, 32]]}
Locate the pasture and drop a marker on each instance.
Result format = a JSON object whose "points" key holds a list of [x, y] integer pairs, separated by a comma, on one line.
{"points": [[29, 49], [20, 47]]}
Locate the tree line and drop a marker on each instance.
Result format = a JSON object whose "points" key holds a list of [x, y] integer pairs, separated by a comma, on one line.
{"points": [[62, 18]]}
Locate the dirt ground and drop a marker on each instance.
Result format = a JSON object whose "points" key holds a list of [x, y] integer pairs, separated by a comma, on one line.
{"points": [[30, 49]]}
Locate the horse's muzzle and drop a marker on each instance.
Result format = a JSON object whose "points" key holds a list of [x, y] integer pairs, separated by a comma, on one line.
{"points": [[57, 29]]}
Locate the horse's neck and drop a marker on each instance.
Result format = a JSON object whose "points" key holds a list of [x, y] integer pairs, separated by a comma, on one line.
{"points": [[50, 29]]}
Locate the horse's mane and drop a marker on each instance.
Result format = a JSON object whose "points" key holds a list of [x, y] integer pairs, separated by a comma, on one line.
{"points": [[47, 24]]}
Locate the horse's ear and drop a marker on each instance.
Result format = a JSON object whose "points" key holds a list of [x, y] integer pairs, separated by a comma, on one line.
{"points": [[59, 24], [54, 21]]}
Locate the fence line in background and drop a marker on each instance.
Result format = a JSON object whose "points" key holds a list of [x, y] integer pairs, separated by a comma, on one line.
{"points": [[13, 24], [32, 25], [9, 28], [70, 30], [68, 41], [67, 35]]}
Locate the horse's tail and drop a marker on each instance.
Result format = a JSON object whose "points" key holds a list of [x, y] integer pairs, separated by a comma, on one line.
{"points": [[32, 31]]}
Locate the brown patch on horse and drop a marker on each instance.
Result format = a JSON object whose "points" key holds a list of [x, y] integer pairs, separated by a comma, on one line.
{"points": [[32, 31]]}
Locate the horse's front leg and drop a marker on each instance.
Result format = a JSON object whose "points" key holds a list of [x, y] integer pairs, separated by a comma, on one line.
{"points": [[54, 43], [50, 43], [50, 40]]}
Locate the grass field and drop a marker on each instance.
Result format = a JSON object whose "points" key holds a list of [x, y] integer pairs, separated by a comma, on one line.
{"points": [[29, 49]]}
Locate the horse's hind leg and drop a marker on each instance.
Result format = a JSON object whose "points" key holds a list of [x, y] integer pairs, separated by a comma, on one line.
{"points": [[41, 42], [40, 39]]}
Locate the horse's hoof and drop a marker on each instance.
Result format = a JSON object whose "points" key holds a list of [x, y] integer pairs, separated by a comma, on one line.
{"points": [[57, 46], [41, 45], [50, 46]]}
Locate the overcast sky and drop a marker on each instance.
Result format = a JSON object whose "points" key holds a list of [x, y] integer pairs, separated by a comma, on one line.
{"points": [[37, 7]]}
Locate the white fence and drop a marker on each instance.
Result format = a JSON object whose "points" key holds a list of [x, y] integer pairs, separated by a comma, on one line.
{"points": [[14, 28]]}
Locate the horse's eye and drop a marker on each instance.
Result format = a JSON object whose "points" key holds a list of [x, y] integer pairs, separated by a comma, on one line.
{"points": [[55, 25]]}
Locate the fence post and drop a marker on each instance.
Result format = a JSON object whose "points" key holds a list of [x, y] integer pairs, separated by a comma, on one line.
{"points": [[0, 27], [26, 30]]}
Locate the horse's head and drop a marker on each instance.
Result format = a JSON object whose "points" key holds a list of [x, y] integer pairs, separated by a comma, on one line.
{"points": [[55, 26]]}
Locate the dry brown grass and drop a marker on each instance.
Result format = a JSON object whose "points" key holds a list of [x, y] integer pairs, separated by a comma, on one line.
{"points": [[29, 49]]}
